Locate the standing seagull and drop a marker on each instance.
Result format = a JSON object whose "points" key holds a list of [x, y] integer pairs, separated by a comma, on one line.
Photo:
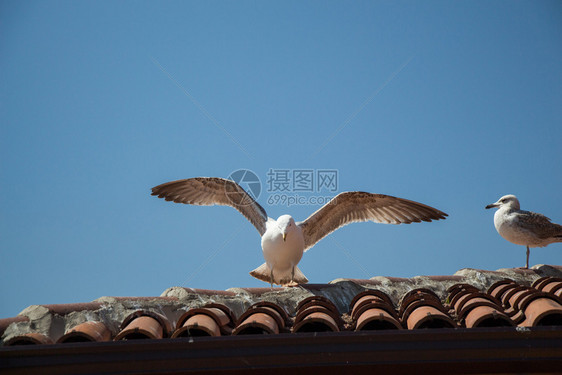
{"points": [[524, 227], [283, 240]]}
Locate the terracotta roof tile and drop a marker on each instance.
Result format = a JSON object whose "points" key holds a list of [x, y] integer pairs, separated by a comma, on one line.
{"points": [[144, 324], [29, 338], [67, 308], [211, 320], [373, 310], [87, 331], [470, 298], [260, 320], [317, 314], [206, 292]]}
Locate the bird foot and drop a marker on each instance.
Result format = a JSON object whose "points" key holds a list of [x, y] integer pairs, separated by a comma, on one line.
{"points": [[292, 284]]}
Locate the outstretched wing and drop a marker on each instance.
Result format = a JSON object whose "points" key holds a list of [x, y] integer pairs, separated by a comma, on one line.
{"points": [[356, 206], [208, 191]]}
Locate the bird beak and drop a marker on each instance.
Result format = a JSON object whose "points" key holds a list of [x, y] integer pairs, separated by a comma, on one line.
{"points": [[492, 205], [284, 236]]}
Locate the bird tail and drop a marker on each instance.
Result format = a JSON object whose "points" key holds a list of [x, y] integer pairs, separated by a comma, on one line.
{"points": [[263, 273]]}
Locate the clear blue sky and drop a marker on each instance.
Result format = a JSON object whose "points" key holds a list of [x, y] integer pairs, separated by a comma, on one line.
{"points": [[452, 104]]}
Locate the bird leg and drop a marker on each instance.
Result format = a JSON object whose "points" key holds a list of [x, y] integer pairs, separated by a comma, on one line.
{"points": [[293, 283], [527, 263], [271, 279]]}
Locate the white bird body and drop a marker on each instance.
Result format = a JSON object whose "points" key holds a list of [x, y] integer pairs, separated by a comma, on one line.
{"points": [[283, 246], [506, 221], [525, 228], [283, 240]]}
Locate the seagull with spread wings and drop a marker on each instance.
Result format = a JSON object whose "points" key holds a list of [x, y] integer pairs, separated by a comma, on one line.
{"points": [[283, 240]]}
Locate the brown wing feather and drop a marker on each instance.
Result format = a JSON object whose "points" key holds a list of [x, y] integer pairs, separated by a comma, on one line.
{"points": [[539, 224], [355, 206], [208, 191]]}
